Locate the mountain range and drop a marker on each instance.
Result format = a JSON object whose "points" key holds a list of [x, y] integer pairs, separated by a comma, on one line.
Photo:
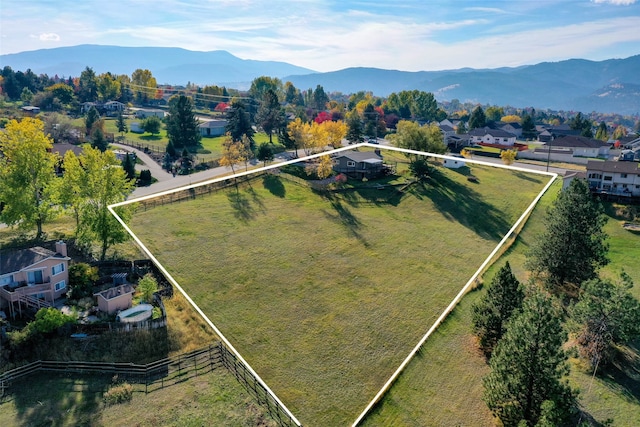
{"points": [[611, 85]]}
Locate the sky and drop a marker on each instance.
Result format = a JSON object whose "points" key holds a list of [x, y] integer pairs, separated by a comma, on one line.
{"points": [[328, 35]]}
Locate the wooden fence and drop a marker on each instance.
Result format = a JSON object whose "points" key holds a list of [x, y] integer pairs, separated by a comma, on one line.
{"points": [[193, 192], [253, 386], [160, 374]]}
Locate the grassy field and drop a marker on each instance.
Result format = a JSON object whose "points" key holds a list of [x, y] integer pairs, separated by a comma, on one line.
{"points": [[211, 146], [325, 295], [213, 399]]}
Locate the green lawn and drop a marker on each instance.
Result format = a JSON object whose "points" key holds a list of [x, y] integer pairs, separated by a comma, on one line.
{"points": [[325, 296]]}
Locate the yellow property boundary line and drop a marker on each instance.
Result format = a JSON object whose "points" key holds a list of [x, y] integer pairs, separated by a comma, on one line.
{"points": [[437, 323]]}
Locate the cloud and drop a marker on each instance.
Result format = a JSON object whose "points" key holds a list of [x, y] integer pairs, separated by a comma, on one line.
{"points": [[616, 2], [49, 37]]}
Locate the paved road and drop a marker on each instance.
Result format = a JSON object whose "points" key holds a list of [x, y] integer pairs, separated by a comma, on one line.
{"points": [[167, 181]]}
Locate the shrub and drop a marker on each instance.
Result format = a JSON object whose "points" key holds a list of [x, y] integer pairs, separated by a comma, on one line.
{"points": [[147, 286], [49, 320], [119, 393], [145, 177], [81, 279]]}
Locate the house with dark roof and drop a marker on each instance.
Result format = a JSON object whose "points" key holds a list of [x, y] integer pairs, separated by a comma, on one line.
{"points": [[580, 146], [513, 128], [619, 178], [492, 136], [549, 133], [359, 164], [33, 277]]}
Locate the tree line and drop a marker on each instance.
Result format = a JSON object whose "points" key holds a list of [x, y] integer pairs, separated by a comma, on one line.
{"points": [[523, 328], [32, 192]]}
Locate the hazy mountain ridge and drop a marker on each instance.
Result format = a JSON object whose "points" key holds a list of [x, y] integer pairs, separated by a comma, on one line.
{"points": [[168, 64], [575, 84]]}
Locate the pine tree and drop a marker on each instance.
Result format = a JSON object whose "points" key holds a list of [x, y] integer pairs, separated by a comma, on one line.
{"points": [[121, 124], [528, 127], [573, 245], [529, 367], [182, 125], [477, 119], [354, 128], [608, 315], [129, 166], [239, 123], [491, 313]]}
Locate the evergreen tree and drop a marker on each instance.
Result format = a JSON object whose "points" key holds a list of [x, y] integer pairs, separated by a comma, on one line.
{"points": [[129, 166], [270, 114], [239, 123], [573, 245], [602, 134], [91, 119], [491, 313], [171, 150], [608, 315], [320, 98], [528, 127], [528, 366], [477, 119], [121, 124], [354, 128], [98, 139], [182, 125], [461, 129]]}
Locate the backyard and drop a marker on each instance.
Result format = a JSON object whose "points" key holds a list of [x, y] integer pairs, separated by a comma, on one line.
{"points": [[325, 294]]}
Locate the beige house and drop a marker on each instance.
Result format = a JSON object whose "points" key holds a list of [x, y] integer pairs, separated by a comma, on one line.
{"points": [[33, 277]]}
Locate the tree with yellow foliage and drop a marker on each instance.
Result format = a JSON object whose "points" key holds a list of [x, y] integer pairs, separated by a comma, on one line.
{"points": [[508, 156], [335, 131], [27, 174], [511, 118]]}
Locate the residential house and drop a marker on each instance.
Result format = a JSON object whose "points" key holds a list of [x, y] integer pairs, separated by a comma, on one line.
{"points": [[513, 128], [447, 132], [113, 106], [581, 146], [33, 277], [212, 127], [492, 136], [359, 164], [549, 133], [611, 177], [86, 106], [456, 141]]}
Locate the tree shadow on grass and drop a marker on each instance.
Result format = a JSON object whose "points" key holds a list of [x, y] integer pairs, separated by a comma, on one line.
{"points": [[241, 205], [535, 178], [623, 374], [346, 218], [463, 204], [52, 399], [274, 185]]}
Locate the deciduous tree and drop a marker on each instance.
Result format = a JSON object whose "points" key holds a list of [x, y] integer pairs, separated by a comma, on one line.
{"points": [[508, 156], [528, 366], [152, 125], [491, 313], [27, 175], [573, 245], [265, 153], [105, 183]]}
